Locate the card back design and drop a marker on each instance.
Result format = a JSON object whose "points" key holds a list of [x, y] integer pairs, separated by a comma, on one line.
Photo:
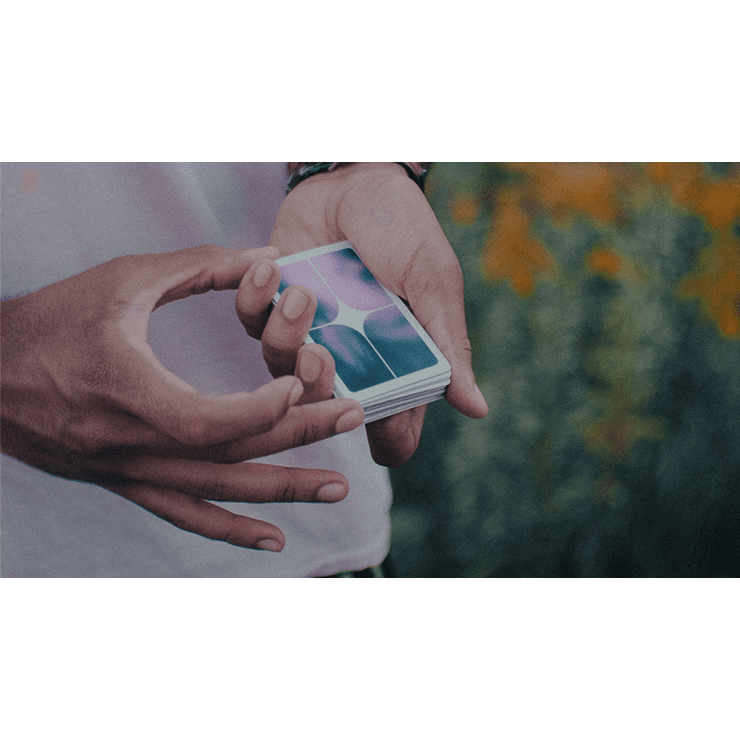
{"points": [[379, 348]]}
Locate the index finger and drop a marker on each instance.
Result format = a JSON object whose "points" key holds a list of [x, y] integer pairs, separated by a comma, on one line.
{"points": [[254, 297], [137, 381]]}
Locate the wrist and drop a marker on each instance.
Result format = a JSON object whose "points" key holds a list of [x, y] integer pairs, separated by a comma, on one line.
{"points": [[302, 171]]}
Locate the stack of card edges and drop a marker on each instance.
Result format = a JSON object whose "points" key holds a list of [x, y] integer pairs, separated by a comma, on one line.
{"points": [[384, 358]]}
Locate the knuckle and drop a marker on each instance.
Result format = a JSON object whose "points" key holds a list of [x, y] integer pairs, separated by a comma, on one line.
{"points": [[205, 279], [101, 376], [446, 279], [207, 250], [84, 435], [222, 453], [229, 536], [287, 493], [208, 489], [306, 433], [243, 307], [466, 348], [217, 490], [272, 353], [191, 430], [263, 423], [197, 489], [277, 344], [203, 282], [124, 263], [232, 531], [273, 417], [249, 314]]}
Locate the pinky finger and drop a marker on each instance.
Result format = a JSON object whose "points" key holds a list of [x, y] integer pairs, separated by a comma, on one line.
{"points": [[202, 517]]}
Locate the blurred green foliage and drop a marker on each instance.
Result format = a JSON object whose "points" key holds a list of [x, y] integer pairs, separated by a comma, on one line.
{"points": [[603, 306]]}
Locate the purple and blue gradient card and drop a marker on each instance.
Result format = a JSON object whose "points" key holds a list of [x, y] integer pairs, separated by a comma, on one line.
{"points": [[384, 358]]}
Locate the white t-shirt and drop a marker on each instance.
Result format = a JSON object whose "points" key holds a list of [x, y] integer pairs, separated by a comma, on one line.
{"points": [[60, 219]]}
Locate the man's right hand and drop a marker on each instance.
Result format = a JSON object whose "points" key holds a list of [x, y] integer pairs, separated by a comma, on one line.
{"points": [[83, 397]]}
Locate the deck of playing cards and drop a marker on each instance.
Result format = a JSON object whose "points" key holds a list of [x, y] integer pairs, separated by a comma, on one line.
{"points": [[384, 358]]}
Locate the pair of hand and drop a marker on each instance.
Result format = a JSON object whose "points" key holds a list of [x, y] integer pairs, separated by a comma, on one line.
{"points": [[85, 398]]}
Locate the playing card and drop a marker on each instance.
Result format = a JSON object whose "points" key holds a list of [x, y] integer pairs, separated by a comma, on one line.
{"points": [[384, 359]]}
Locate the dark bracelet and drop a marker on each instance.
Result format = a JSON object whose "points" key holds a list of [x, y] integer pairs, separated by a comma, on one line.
{"points": [[314, 168], [305, 171], [421, 179]]}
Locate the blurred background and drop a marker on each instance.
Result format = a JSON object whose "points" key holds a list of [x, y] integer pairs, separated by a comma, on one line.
{"points": [[603, 305]]}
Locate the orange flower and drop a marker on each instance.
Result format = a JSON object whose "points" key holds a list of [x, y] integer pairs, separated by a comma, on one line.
{"points": [[566, 188], [684, 181], [604, 262], [729, 314], [719, 203], [716, 283], [689, 186], [510, 252], [659, 172]]}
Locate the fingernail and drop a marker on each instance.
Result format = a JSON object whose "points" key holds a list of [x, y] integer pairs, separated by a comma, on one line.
{"points": [[262, 274], [272, 545], [295, 394], [295, 304], [348, 421], [310, 368], [331, 492]]}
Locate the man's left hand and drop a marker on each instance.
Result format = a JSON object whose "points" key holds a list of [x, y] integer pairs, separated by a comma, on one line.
{"points": [[389, 222]]}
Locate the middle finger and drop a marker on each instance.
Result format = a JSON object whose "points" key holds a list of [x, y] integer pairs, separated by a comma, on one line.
{"points": [[287, 329], [302, 425]]}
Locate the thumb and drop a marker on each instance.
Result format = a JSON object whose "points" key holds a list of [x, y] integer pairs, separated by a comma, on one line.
{"points": [[142, 283], [440, 309], [201, 269], [152, 393]]}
